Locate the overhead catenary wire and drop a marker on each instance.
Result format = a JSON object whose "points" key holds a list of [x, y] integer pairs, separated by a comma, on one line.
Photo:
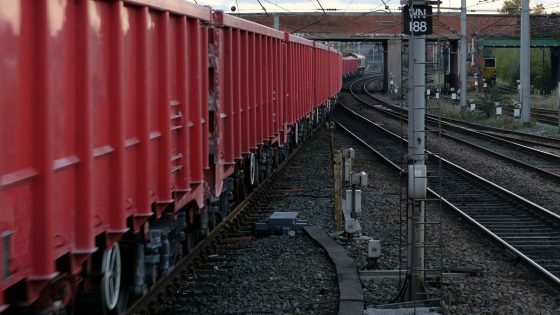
{"points": [[321, 7], [501, 28], [262, 6], [313, 3], [275, 4], [310, 24], [348, 5]]}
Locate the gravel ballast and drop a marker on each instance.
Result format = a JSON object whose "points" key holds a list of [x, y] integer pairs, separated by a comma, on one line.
{"points": [[273, 274], [292, 275]]}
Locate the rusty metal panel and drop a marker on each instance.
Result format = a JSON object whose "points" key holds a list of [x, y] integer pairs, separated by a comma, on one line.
{"points": [[217, 90]]}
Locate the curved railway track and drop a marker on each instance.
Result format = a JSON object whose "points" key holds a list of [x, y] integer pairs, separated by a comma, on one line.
{"points": [[525, 229], [539, 161], [520, 137]]}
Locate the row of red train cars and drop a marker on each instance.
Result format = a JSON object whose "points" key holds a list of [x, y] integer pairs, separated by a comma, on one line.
{"points": [[128, 128]]}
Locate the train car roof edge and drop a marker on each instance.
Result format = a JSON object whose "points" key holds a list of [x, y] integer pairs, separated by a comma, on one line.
{"points": [[223, 19], [176, 6], [298, 40]]}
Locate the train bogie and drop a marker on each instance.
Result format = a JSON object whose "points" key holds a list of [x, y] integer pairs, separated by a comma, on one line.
{"points": [[128, 130]]}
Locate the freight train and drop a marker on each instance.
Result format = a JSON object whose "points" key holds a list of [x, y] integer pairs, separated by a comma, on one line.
{"points": [[129, 129], [353, 65], [361, 62]]}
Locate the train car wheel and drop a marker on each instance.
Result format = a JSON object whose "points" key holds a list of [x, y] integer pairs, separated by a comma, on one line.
{"points": [[113, 293]]}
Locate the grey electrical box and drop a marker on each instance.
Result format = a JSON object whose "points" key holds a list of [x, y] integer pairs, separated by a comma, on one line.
{"points": [[417, 181], [360, 179], [357, 201], [280, 223], [349, 153]]}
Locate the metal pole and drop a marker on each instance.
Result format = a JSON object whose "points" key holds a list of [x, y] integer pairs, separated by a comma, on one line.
{"points": [[525, 64], [463, 61], [416, 151], [558, 104], [276, 21]]}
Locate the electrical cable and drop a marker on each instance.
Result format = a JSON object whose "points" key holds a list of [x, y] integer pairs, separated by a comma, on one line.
{"points": [[321, 7], [262, 6], [351, 1], [313, 3], [308, 25], [274, 4], [486, 36]]}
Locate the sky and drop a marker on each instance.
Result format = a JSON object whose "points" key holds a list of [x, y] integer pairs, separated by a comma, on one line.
{"points": [[253, 6]]}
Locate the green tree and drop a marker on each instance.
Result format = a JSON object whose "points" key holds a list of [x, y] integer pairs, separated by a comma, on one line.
{"points": [[539, 9], [507, 67], [489, 98], [513, 7]]}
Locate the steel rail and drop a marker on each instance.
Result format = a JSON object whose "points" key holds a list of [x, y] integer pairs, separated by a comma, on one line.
{"points": [[514, 136], [235, 218], [545, 163], [553, 143]]}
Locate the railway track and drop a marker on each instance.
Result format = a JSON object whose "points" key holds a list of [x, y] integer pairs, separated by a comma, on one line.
{"points": [[542, 115], [528, 231], [232, 227], [520, 137], [539, 161], [545, 116]]}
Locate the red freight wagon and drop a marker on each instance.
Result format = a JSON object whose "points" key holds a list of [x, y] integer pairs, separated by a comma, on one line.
{"points": [[336, 80], [247, 90], [299, 70], [103, 122], [350, 66], [324, 72], [123, 126]]}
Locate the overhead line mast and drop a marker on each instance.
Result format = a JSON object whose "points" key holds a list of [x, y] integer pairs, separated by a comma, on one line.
{"points": [[525, 65], [417, 18], [463, 55]]}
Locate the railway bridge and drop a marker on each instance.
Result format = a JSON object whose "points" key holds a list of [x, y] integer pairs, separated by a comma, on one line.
{"points": [[484, 30]]}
